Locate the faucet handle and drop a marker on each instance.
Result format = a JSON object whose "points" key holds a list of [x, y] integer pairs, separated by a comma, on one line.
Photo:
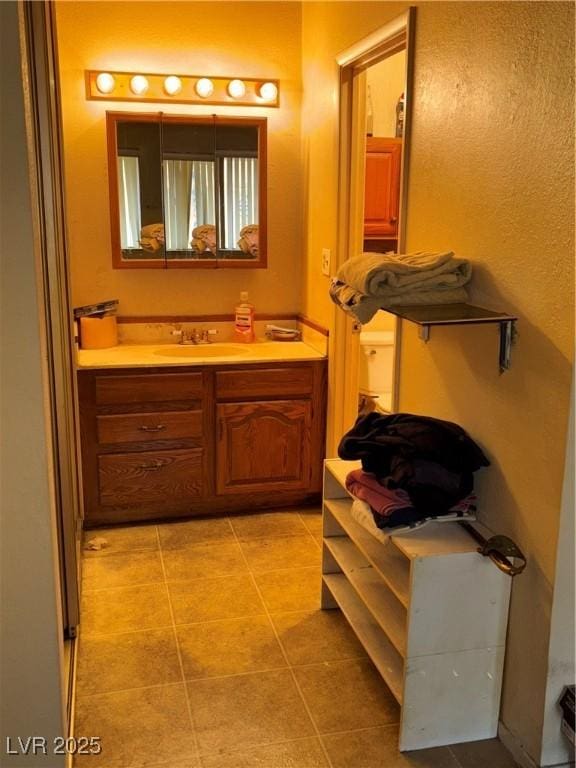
{"points": [[206, 334]]}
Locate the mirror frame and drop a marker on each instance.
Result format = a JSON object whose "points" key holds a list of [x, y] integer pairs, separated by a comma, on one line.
{"points": [[112, 118]]}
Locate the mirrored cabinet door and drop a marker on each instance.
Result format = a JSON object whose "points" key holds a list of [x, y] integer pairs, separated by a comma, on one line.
{"points": [[187, 192]]}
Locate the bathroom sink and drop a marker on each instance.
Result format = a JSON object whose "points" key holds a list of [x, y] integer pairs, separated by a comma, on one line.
{"points": [[202, 350]]}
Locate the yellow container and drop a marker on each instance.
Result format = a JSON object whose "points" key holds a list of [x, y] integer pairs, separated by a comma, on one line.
{"points": [[98, 332]]}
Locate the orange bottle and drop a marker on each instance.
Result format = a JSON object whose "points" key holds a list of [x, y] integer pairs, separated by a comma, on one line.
{"points": [[244, 320]]}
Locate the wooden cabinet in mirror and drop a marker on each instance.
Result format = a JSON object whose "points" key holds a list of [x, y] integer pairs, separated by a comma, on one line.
{"points": [[186, 192]]}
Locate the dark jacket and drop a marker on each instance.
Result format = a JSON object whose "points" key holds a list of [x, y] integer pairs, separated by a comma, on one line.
{"points": [[433, 460]]}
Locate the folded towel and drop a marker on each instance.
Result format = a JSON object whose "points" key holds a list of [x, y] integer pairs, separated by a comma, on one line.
{"points": [[363, 308], [390, 274], [152, 237], [384, 501], [372, 281], [361, 512]]}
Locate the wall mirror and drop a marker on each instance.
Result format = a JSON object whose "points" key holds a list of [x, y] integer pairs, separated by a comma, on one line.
{"points": [[187, 192]]}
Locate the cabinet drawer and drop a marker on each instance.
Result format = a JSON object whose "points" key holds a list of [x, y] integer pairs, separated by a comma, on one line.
{"points": [[159, 476], [153, 388], [144, 427], [264, 382]]}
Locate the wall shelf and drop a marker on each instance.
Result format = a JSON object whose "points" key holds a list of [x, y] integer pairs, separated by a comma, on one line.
{"points": [[426, 316]]}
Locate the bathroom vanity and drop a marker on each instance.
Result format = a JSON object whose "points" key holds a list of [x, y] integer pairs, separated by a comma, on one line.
{"points": [[174, 431]]}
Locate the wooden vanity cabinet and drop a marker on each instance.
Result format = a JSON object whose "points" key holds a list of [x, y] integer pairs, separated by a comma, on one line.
{"points": [[165, 444]]}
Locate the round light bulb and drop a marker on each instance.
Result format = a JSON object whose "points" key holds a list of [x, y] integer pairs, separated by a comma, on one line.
{"points": [[139, 85], [172, 85], [105, 82], [204, 87], [268, 91], [236, 89]]}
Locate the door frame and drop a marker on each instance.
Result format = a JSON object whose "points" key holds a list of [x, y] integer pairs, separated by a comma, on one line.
{"points": [[394, 36], [46, 178]]}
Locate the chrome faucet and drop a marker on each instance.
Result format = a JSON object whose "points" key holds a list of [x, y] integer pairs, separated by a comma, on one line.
{"points": [[195, 336]]}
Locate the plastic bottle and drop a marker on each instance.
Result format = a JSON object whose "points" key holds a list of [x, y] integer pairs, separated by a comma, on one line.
{"points": [[244, 320], [400, 117], [369, 114]]}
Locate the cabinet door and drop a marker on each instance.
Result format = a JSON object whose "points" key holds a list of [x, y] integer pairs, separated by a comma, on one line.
{"points": [[382, 187], [263, 446]]}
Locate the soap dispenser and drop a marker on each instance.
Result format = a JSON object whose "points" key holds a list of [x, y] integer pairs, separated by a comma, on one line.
{"points": [[244, 320]]}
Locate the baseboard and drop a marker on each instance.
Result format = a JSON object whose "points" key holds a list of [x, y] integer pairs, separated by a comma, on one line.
{"points": [[515, 747], [516, 750]]}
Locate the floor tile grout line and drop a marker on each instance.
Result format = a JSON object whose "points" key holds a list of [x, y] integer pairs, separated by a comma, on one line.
{"points": [[175, 634], [236, 750], [293, 676], [319, 543], [249, 673], [458, 763], [127, 690], [123, 586], [92, 635]]}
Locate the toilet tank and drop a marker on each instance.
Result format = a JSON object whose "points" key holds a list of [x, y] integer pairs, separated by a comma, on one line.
{"points": [[376, 362]]}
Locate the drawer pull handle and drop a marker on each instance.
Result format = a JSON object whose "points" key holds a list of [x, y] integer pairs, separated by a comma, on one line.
{"points": [[158, 428], [150, 467]]}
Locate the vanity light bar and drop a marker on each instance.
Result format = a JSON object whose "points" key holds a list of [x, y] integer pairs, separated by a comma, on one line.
{"points": [[181, 89]]}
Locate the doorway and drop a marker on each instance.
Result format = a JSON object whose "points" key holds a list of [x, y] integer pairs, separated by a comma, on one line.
{"points": [[375, 118]]}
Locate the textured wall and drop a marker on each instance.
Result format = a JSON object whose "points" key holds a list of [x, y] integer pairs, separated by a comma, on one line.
{"points": [[386, 82], [492, 178], [246, 39]]}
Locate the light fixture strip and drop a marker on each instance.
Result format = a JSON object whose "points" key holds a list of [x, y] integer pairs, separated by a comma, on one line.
{"points": [[107, 85]]}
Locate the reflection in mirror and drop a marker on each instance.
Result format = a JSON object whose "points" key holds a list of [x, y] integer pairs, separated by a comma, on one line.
{"points": [[187, 189], [139, 190]]}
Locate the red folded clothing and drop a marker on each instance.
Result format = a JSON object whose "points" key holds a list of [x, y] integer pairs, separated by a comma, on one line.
{"points": [[384, 501]]}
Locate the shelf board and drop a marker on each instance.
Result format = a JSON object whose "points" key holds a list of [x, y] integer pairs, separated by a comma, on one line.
{"points": [[449, 314], [390, 562], [340, 469], [379, 649], [427, 315], [380, 601], [430, 540], [436, 539]]}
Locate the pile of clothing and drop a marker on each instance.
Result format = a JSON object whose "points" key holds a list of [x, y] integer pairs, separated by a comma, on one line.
{"points": [[372, 281], [413, 468]]}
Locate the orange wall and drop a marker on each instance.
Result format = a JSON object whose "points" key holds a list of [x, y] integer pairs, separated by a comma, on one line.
{"points": [[220, 38], [492, 177]]}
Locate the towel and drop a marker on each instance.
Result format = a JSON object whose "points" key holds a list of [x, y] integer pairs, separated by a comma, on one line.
{"points": [[152, 237], [389, 274], [384, 501], [360, 512], [372, 281], [363, 308]]}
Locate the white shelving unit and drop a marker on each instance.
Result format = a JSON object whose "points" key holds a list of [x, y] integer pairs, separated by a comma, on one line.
{"points": [[430, 612]]}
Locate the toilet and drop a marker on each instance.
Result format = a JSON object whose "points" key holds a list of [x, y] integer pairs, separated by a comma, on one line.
{"points": [[376, 365]]}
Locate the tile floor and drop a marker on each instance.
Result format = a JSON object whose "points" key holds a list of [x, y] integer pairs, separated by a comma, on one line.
{"points": [[203, 646]]}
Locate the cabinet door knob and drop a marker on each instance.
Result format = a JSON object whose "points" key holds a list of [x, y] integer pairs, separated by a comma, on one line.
{"points": [[394, 219], [157, 428]]}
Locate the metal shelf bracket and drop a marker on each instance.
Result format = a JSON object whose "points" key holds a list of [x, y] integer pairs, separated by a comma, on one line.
{"points": [[507, 336]]}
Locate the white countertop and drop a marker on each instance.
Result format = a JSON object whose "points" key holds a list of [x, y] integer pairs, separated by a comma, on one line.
{"points": [[171, 355]]}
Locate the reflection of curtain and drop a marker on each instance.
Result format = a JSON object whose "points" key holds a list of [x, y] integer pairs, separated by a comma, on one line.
{"points": [[129, 197], [188, 199], [240, 175]]}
